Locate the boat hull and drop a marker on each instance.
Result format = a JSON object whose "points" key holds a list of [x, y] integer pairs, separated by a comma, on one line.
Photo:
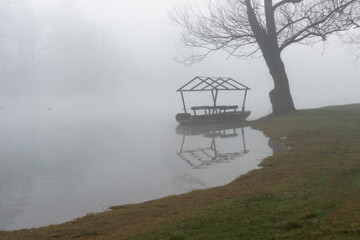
{"points": [[186, 118]]}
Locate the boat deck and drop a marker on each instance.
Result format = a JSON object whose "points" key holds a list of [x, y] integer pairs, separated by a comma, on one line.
{"points": [[215, 109]]}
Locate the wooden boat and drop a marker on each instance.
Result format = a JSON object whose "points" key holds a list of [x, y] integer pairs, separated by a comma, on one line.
{"points": [[214, 113], [212, 117]]}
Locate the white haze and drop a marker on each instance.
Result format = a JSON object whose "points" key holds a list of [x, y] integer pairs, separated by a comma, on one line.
{"points": [[99, 58], [88, 99]]}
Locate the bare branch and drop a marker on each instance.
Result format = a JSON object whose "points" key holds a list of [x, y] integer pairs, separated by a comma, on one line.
{"points": [[239, 27], [283, 2], [315, 21], [215, 26]]}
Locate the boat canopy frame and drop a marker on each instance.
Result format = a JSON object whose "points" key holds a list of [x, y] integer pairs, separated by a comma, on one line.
{"points": [[213, 85]]}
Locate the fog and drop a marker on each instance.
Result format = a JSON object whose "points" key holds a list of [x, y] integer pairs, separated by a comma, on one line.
{"points": [[88, 101], [118, 57]]}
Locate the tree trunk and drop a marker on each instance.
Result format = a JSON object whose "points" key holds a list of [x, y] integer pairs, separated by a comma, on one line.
{"points": [[280, 96]]}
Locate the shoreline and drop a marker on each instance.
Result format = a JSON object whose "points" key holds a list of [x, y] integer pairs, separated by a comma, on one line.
{"points": [[298, 193], [228, 170]]}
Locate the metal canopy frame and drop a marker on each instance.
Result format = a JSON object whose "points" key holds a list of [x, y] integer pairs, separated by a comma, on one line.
{"points": [[213, 85]]}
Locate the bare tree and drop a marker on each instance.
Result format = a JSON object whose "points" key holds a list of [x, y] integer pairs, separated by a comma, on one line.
{"points": [[248, 28]]}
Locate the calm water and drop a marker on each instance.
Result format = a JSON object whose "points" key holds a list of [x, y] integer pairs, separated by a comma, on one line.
{"points": [[59, 170]]}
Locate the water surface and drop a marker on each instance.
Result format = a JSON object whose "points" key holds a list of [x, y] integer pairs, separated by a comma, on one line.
{"points": [[55, 171]]}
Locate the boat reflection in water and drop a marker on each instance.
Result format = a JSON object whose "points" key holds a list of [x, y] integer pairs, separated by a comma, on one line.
{"points": [[213, 135]]}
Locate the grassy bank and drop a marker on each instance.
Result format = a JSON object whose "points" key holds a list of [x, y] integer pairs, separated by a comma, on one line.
{"points": [[311, 191]]}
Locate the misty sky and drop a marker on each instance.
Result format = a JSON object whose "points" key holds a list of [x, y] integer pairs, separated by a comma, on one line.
{"points": [[94, 53]]}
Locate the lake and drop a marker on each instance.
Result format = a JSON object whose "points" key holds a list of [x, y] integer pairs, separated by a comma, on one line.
{"points": [[58, 169]]}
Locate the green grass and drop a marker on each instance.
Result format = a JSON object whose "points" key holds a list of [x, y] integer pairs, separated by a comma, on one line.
{"points": [[311, 191]]}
